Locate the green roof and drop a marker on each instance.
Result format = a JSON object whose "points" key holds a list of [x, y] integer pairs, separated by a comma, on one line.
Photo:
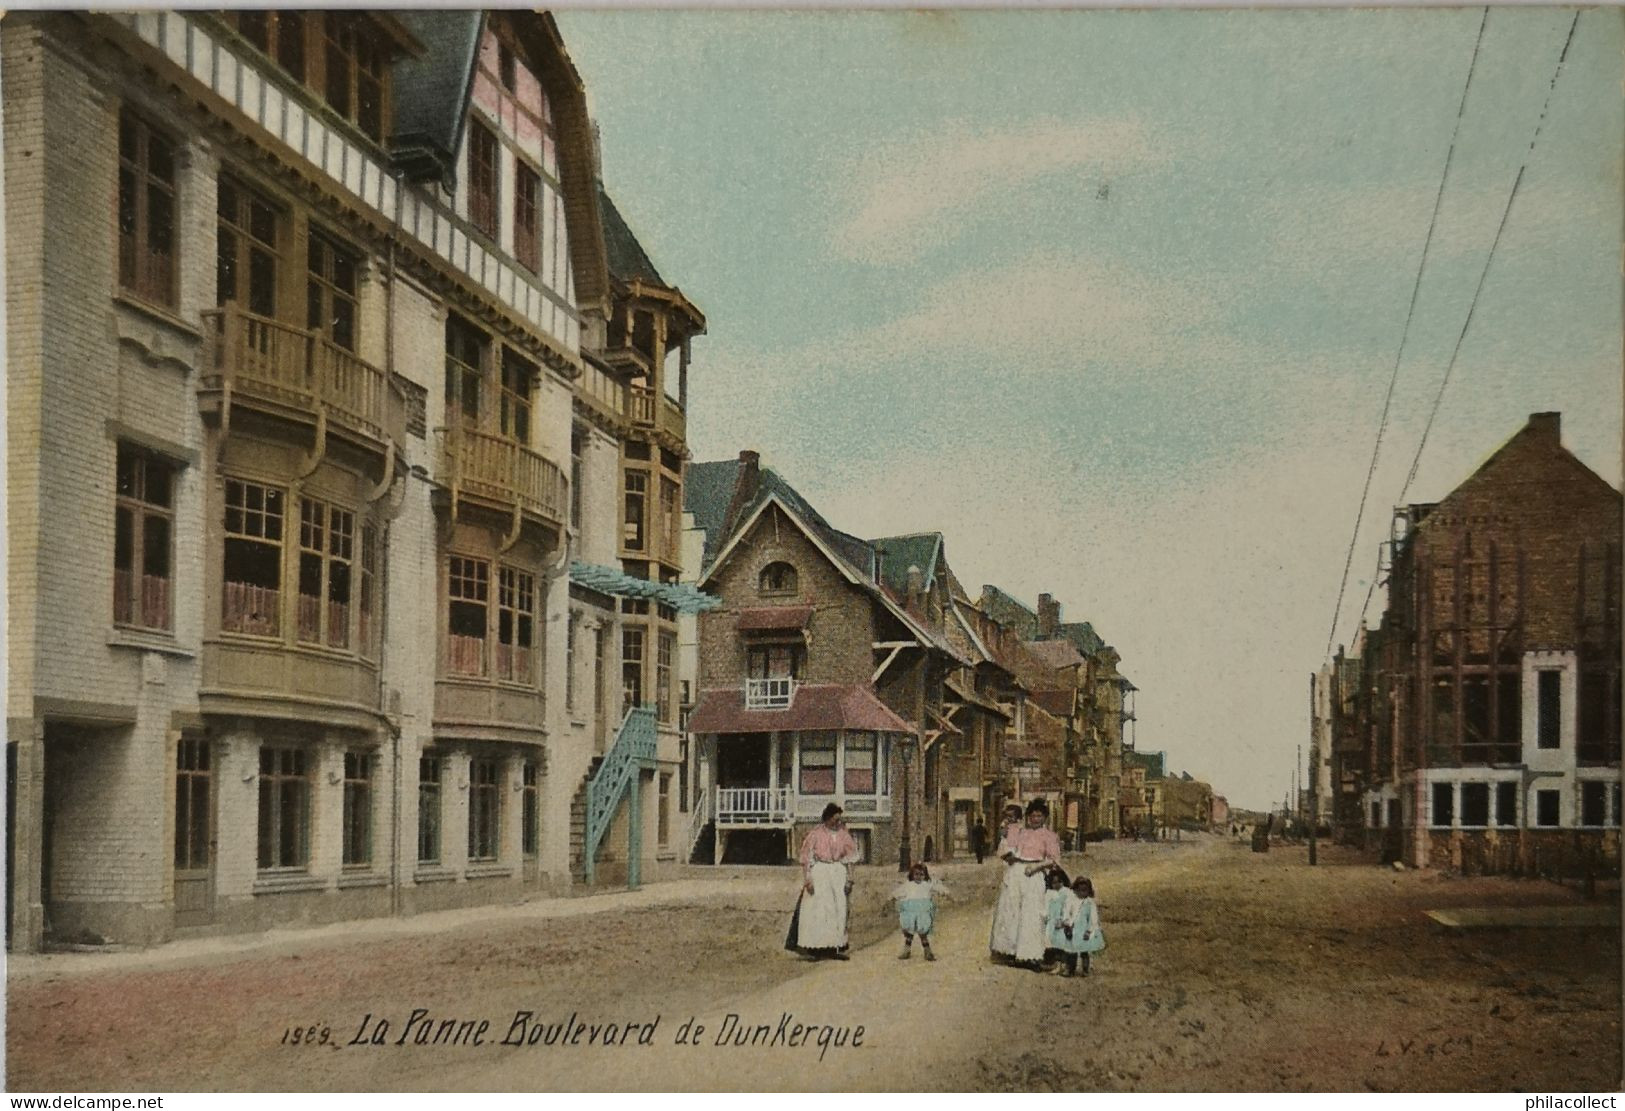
{"points": [[1009, 612], [1152, 762], [626, 257], [899, 553]]}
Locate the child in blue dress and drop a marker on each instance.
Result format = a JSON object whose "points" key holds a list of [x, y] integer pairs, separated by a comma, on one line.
{"points": [[917, 909], [1055, 941], [1080, 925]]}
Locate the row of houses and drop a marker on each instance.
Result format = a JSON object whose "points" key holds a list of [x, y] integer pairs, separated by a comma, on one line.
{"points": [[1477, 726], [346, 443], [862, 672]]}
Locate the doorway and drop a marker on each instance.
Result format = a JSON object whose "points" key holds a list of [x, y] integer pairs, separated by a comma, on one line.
{"points": [[194, 833]]}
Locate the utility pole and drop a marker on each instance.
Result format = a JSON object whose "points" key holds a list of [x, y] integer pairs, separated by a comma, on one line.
{"points": [[1314, 770]]}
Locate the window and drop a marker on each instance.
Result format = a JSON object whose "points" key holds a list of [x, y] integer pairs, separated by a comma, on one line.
{"points": [[517, 375], [369, 580], [1547, 808], [146, 211], [330, 291], [355, 72], [505, 66], [775, 661], [527, 243], [665, 649], [482, 178], [278, 34], [570, 623], [663, 826], [245, 249], [251, 594], [468, 590], [284, 809], [516, 624], [1598, 698], [357, 809], [1444, 798], [1376, 815], [859, 776], [144, 526], [326, 552], [192, 805], [1475, 804], [1549, 709], [428, 810], [465, 360], [1593, 802], [670, 518], [1506, 804], [530, 833], [631, 668], [637, 489], [575, 480], [817, 764], [484, 809], [777, 578], [600, 648]]}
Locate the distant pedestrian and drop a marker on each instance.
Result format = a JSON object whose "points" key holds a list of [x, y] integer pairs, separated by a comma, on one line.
{"points": [[818, 927], [1080, 926], [978, 840], [917, 909]]}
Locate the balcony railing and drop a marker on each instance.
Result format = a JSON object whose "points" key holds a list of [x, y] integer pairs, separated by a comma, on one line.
{"points": [[602, 391], [641, 404], [500, 470], [649, 411], [754, 806], [271, 361], [769, 694]]}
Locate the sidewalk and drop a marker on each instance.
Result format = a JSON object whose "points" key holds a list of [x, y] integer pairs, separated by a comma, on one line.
{"points": [[292, 939]]}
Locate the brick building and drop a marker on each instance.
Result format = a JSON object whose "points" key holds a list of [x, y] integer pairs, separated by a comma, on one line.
{"points": [[324, 387], [1487, 720], [819, 681]]}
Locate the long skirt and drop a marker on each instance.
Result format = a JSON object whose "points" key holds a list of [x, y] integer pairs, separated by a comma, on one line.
{"points": [[823, 913], [1030, 932], [1006, 912]]}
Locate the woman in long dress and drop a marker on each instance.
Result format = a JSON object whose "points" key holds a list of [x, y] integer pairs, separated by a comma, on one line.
{"points": [[1003, 941], [819, 928], [1018, 917]]}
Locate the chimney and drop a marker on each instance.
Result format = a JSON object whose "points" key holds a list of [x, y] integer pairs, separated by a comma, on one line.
{"points": [[1547, 428], [1049, 616], [916, 585], [747, 481]]}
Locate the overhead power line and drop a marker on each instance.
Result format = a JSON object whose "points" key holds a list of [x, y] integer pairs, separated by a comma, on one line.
{"points": [[1512, 196], [1399, 355]]}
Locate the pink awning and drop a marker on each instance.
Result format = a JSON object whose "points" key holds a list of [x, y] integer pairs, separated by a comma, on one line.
{"points": [[815, 706]]}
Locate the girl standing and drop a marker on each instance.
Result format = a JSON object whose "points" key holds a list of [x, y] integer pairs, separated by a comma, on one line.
{"points": [[917, 909], [1081, 925]]}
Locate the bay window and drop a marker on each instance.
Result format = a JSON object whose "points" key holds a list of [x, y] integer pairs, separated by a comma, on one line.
{"points": [[252, 579], [817, 764]]}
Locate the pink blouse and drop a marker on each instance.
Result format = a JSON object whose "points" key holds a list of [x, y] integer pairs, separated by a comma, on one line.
{"points": [[1033, 845], [827, 846]]}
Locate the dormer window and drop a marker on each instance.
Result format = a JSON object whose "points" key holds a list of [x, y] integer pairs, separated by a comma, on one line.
{"points": [[777, 578]]}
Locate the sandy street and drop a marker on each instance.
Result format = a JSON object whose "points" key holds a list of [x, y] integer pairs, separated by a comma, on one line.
{"points": [[1226, 970]]}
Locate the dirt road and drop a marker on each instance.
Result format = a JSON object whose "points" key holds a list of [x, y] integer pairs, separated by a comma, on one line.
{"points": [[1226, 970]]}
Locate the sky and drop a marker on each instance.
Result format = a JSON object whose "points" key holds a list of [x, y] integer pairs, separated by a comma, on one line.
{"points": [[1112, 299]]}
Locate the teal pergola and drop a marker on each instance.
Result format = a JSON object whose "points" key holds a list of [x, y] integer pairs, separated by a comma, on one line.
{"points": [[612, 580]]}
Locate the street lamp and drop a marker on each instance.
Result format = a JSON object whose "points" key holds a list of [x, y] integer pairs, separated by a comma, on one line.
{"points": [[905, 851]]}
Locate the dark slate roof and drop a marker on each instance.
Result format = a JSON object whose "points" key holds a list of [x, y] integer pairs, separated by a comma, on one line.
{"points": [[707, 489], [627, 258], [1009, 612], [899, 553], [1152, 762], [431, 92], [1082, 635]]}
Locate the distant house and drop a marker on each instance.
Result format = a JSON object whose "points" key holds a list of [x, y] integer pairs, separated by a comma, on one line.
{"points": [[1487, 734]]}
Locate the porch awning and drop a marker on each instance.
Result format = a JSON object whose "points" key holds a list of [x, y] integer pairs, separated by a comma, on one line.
{"points": [[815, 706], [766, 619], [610, 580]]}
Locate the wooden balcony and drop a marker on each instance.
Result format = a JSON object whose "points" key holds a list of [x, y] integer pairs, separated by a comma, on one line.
{"points": [[292, 372], [602, 392], [658, 412], [499, 471]]}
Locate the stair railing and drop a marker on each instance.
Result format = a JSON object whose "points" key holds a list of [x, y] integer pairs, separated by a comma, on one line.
{"points": [[696, 821], [633, 750]]}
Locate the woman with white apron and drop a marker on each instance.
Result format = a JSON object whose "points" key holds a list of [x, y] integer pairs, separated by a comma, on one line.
{"points": [[1018, 918], [819, 926]]}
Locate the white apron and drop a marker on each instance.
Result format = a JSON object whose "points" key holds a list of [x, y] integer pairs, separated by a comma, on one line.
{"points": [[1030, 940], [1006, 912], [823, 913]]}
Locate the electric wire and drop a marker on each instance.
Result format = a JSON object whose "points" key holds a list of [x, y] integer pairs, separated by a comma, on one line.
{"points": [[1399, 355], [1512, 196]]}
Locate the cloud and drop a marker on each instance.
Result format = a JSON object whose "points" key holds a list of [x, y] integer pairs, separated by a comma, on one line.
{"points": [[905, 196]]}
